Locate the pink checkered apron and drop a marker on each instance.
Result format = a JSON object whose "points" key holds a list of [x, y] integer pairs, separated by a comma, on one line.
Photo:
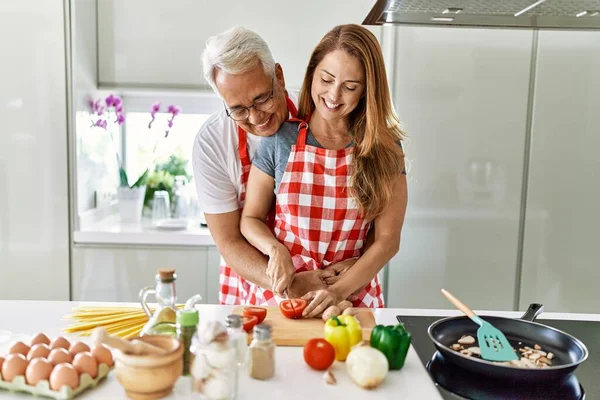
{"points": [[316, 218], [233, 289]]}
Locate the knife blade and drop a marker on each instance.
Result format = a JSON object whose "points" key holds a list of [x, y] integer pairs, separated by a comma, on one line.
{"points": [[285, 292]]}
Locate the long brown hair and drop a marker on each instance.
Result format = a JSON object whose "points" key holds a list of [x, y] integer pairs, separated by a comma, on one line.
{"points": [[374, 126]]}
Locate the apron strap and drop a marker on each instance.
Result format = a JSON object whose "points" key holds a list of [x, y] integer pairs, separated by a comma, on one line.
{"points": [[243, 138], [243, 146], [291, 106]]}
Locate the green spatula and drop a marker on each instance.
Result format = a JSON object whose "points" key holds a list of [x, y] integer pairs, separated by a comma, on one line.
{"points": [[493, 344]]}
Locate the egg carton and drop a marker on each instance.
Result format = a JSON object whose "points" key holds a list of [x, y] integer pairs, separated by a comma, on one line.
{"points": [[43, 387]]}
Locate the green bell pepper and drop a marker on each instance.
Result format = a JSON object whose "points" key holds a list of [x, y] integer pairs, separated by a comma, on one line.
{"points": [[393, 342]]}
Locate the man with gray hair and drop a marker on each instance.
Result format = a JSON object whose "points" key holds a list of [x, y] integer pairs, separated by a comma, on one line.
{"points": [[240, 68]]}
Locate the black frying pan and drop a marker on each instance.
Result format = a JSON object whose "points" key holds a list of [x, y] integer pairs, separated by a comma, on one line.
{"points": [[569, 352]]}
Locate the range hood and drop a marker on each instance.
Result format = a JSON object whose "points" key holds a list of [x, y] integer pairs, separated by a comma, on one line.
{"points": [[562, 14]]}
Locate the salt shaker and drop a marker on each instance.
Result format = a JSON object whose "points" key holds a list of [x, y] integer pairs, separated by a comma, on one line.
{"points": [[238, 337]]}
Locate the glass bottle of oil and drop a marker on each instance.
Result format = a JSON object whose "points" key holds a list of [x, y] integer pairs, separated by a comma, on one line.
{"points": [[163, 320]]}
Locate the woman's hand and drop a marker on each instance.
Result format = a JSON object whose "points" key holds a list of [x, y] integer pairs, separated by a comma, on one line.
{"points": [[280, 269], [320, 300]]}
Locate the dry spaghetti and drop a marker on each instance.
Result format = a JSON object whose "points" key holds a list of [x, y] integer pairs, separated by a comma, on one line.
{"points": [[125, 322]]}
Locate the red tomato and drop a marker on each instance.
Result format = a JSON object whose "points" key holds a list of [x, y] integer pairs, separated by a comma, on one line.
{"points": [[258, 312], [293, 308], [248, 323], [319, 354]]}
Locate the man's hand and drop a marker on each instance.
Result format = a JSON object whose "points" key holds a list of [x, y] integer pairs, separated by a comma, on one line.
{"points": [[308, 281], [280, 269], [320, 300], [338, 269]]}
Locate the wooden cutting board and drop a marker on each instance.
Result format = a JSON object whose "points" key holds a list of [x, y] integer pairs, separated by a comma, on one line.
{"points": [[296, 332]]}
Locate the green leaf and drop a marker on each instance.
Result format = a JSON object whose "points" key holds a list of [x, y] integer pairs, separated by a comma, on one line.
{"points": [[176, 165], [123, 177], [141, 180]]}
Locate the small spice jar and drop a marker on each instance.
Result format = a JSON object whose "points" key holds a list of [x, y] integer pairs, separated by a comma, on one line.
{"points": [[238, 337], [187, 321], [262, 353]]}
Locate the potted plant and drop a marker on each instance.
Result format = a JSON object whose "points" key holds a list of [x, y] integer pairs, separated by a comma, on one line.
{"points": [[109, 116]]}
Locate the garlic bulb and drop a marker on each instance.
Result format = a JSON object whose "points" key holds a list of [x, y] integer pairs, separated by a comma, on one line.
{"points": [[200, 367], [219, 356], [219, 387], [211, 331], [367, 366]]}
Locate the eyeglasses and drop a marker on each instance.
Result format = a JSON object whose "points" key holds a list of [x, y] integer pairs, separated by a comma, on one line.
{"points": [[262, 104]]}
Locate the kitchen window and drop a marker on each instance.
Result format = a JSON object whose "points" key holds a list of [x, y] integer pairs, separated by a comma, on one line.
{"points": [[174, 152]]}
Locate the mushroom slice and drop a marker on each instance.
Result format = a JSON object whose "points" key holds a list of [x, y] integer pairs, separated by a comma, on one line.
{"points": [[466, 340]]}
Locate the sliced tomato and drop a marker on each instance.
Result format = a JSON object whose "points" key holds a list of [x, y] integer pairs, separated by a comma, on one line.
{"points": [[319, 354], [248, 323], [293, 308], [258, 312]]}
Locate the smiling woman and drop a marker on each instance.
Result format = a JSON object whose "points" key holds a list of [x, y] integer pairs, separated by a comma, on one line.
{"points": [[336, 170]]}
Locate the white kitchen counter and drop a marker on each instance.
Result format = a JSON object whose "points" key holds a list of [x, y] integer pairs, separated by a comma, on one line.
{"points": [[112, 231], [294, 380]]}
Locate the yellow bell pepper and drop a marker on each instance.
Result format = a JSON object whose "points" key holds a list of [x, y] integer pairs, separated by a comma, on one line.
{"points": [[343, 332]]}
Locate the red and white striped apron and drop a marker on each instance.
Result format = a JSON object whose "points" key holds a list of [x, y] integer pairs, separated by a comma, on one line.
{"points": [[233, 289], [316, 217]]}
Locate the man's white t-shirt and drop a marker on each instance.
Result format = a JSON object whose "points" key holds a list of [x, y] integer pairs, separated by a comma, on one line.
{"points": [[216, 163]]}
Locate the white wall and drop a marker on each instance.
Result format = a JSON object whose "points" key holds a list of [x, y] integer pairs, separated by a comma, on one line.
{"points": [[560, 261], [462, 96], [153, 42], [34, 204]]}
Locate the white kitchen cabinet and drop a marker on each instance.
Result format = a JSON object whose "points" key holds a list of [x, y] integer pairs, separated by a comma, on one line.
{"points": [[560, 258], [34, 203], [462, 97], [102, 273], [213, 258], [158, 43]]}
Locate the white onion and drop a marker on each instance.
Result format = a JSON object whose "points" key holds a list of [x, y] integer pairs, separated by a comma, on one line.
{"points": [[367, 366]]}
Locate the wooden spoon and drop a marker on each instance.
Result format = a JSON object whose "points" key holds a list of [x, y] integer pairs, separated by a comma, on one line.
{"points": [[138, 347]]}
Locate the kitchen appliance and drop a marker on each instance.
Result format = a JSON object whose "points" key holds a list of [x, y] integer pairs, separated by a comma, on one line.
{"points": [[470, 386], [586, 374], [296, 332], [564, 14]]}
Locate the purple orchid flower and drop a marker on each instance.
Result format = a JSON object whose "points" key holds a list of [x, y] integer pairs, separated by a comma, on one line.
{"points": [[120, 118], [110, 101], [119, 109], [173, 109], [101, 123], [117, 102], [155, 108]]}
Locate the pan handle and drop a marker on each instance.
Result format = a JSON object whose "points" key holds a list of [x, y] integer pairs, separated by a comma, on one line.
{"points": [[534, 311]]}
